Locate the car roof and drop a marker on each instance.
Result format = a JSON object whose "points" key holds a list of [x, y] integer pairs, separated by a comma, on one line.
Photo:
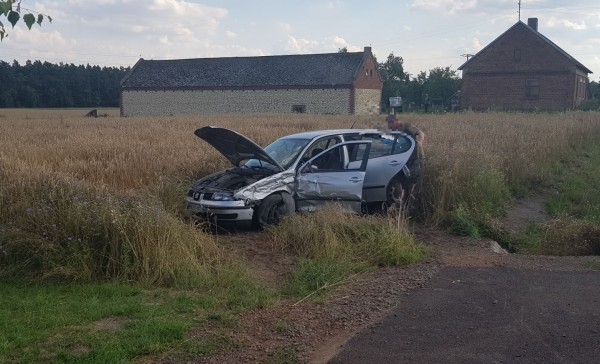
{"points": [[321, 133]]}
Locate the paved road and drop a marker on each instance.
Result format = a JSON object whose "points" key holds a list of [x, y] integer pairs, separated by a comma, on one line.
{"points": [[489, 315]]}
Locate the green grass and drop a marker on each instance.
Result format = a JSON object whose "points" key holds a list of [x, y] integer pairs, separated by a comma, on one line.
{"points": [[314, 277], [575, 210], [42, 323], [61, 322], [579, 191]]}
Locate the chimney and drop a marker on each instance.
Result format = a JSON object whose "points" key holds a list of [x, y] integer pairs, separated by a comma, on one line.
{"points": [[533, 22], [367, 50]]}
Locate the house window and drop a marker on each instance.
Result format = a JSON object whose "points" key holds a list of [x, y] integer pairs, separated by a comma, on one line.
{"points": [[517, 55], [532, 89], [301, 109]]}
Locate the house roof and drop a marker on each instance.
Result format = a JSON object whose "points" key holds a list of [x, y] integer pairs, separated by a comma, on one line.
{"points": [[539, 35], [330, 69]]}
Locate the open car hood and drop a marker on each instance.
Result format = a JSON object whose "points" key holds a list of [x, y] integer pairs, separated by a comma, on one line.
{"points": [[235, 147]]}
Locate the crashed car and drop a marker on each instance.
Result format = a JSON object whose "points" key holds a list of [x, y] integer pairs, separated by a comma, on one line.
{"points": [[300, 172]]}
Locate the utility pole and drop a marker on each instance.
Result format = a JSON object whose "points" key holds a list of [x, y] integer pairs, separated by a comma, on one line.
{"points": [[467, 55]]}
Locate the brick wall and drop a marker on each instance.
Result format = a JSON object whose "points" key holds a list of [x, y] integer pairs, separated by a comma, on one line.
{"points": [[190, 102], [482, 92], [496, 78]]}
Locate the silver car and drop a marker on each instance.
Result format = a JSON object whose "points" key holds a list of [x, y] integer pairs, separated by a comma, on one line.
{"points": [[300, 172]]}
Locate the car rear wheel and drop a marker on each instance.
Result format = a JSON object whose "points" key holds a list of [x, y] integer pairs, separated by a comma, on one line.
{"points": [[396, 195]]}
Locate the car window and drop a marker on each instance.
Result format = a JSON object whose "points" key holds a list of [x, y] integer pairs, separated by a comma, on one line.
{"points": [[284, 151], [319, 146], [356, 152], [402, 144], [381, 146]]}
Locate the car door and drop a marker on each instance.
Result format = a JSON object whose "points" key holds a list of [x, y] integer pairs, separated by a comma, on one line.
{"points": [[388, 156], [327, 177]]}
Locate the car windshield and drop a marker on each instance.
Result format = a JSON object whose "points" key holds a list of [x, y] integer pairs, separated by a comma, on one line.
{"points": [[283, 151]]}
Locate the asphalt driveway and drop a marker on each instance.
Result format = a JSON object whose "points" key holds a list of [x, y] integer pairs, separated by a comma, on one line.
{"points": [[489, 315]]}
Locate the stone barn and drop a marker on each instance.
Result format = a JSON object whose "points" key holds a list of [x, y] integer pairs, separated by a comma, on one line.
{"points": [[331, 83], [523, 70]]}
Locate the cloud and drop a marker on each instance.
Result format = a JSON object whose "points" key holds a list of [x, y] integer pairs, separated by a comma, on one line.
{"points": [[285, 27], [565, 23], [230, 34], [151, 28], [446, 6], [330, 44], [454, 7]]}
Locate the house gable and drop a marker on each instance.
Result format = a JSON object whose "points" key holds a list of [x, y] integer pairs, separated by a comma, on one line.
{"points": [[521, 49], [522, 70]]}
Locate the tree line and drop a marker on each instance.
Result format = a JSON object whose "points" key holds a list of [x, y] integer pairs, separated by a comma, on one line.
{"points": [[439, 88], [37, 84]]}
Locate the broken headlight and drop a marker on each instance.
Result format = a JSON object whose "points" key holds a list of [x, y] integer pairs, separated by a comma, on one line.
{"points": [[222, 197]]}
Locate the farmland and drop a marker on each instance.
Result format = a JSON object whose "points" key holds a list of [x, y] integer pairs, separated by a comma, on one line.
{"points": [[88, 200]]}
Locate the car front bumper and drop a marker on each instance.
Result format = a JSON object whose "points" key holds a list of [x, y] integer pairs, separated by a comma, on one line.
{"points": [[220, 211]]}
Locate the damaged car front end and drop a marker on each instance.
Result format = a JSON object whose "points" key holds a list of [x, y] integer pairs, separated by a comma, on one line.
{"points": [[233, 195]]}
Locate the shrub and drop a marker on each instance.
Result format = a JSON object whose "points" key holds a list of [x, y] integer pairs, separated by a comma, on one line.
{"points": [[569, 236]]}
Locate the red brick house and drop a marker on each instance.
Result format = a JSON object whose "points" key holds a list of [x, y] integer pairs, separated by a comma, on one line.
{"points": [[523, 70], [330, 83]]}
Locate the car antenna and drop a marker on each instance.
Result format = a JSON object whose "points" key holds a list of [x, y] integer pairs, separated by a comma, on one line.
{"points": [[355, 120]]}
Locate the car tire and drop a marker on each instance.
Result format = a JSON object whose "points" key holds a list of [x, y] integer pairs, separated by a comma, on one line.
{"points": [[271, 211]]}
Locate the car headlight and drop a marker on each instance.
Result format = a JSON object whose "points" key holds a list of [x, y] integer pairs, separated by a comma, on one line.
{"points": [[222, 197]]}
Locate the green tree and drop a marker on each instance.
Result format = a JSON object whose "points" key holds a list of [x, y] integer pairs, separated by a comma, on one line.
{"points": [[10, 10], [442, 83], [594, 90], [37, 84], [394, 79]]}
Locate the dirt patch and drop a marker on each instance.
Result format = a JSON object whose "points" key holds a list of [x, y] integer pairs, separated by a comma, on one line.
{"points": [[112, 323], [80, 350], [270, 266], [530, 209]]}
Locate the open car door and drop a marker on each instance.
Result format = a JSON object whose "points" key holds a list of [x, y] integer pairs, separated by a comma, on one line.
{"points": [[331, 177]]}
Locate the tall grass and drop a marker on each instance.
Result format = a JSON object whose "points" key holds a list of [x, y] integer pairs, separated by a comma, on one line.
{"points": [[102, 197], [332, 245], [58, 227]]}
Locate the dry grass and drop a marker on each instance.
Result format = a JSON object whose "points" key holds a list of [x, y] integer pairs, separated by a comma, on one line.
{"points": [[474, 162], [132, 153]]}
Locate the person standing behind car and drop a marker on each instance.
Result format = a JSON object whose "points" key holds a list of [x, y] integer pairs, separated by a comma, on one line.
{"points": [[415, 162]]}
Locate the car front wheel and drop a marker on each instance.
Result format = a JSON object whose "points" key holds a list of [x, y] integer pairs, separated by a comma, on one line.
{"points": [[271, 211]]}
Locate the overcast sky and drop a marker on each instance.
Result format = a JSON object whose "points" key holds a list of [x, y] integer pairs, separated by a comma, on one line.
{"points": [[425, 33]]}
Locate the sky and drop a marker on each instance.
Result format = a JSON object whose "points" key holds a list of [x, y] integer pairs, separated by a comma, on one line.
{"points": [[425, 33]]}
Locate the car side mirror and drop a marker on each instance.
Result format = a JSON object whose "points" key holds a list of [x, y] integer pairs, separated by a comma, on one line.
{"points": [[307, 168]]}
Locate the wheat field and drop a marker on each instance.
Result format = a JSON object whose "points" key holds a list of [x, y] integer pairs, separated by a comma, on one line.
{"points": [[136, 153], [103, 197]]}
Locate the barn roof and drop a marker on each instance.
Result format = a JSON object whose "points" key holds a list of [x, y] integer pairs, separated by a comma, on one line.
{"points": [[539, 35], [306, 70]]}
